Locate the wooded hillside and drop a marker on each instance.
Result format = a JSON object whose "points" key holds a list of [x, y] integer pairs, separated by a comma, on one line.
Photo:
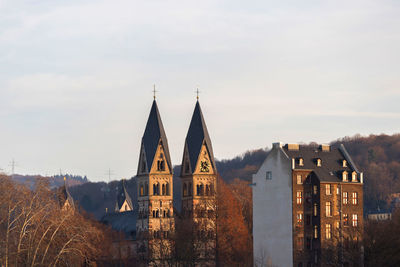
{"points": [[378, 156]]}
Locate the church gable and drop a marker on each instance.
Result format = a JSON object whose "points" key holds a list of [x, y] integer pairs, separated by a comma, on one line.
{"points": [[143, 166], [204, 164], [160, 163], [186, 167], [124, 207]]}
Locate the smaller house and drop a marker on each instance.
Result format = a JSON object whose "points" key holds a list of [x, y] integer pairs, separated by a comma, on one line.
{"points": [[123, 221]]}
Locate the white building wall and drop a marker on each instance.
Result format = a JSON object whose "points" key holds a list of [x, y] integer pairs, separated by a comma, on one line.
{"points": [[272, 211]]}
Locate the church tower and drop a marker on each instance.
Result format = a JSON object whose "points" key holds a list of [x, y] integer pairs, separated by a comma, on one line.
{"points": [[154, 184], [199, 184]]}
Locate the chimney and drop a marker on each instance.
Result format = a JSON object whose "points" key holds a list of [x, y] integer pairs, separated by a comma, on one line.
{"points": [[325, 148], [293, 147]]}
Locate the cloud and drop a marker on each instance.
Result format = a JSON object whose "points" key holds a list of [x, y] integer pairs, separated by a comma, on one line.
{"points": [[77, 75]]}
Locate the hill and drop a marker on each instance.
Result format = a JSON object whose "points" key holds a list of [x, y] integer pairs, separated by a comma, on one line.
{"points": [[54, 181], [378, 156]]}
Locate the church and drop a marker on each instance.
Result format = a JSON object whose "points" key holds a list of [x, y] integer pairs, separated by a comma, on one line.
{"points": [[151, 224]]}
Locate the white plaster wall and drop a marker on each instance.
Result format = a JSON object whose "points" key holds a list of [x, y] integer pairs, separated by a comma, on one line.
{"points": [[272, 212]]}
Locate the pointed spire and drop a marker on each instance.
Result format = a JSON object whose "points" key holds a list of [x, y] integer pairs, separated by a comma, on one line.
{"points": [[64, 196], [196, 136], [122, 197], [153, 135]]}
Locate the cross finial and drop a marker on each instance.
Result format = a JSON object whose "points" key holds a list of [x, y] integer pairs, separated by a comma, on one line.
{"points": [[197, 93], [154, 91]]}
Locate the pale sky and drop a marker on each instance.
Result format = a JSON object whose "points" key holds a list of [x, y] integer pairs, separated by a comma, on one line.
{"points": [[76, 77]]}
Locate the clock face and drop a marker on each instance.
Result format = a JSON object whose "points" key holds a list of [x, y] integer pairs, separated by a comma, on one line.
{"points": [[204, 166]]}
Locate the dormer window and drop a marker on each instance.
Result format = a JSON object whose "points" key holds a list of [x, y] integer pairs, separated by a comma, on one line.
{"points": [[344, 163], [301, 162], [344, 176], [354, 177], [319, 162]]}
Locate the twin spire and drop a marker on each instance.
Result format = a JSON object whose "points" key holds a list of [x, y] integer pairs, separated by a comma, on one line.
{"points": [[154, 136]]}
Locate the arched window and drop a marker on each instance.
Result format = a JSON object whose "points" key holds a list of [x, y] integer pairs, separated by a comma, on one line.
{"points": [[167, 189], [158, 189], [146, 189], [154, 213], [185, 190], [190, 189], [165, 214], [143, 166], [207, 190], [186, 167], [154, 190], [141, 193], [198, 190], [211, 189], [202, 190], [163, 190], [157, 214]]}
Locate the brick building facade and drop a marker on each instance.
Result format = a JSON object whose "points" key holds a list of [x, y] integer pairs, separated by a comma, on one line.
{"points": [[326, 207]]}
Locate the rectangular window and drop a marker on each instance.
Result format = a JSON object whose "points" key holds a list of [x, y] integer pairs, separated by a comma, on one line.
{"points": [[355, 220], [345, 198], [328, 231], [299, 219], [269, 175], [355, 198], [315, 209], [315, 232], [345, 219], [328, 189], [315, 189], [299, 181], [337, 190], [299, 197], [328, 209]]}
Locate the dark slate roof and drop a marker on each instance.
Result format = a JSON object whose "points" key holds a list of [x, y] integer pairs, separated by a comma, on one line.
{"points": [[122, 195], [122, 222], [153, 133], [195, 137], [63, 195], [331, 168]]}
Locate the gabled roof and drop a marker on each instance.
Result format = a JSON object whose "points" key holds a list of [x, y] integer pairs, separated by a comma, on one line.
{"points": [[122, 196], [153, 134], [331, 168], [196, 136]]}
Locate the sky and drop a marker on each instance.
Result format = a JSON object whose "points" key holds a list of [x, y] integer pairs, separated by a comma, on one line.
{"points": [[76, 77]]}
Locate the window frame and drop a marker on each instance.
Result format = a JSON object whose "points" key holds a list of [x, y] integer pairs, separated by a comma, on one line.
{"points": [[328, 231], [328, 189], [299, 197], [328, 209]]}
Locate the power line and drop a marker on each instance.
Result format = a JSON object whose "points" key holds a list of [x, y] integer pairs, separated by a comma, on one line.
{"points": [[109, 173], [13, 164]]}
